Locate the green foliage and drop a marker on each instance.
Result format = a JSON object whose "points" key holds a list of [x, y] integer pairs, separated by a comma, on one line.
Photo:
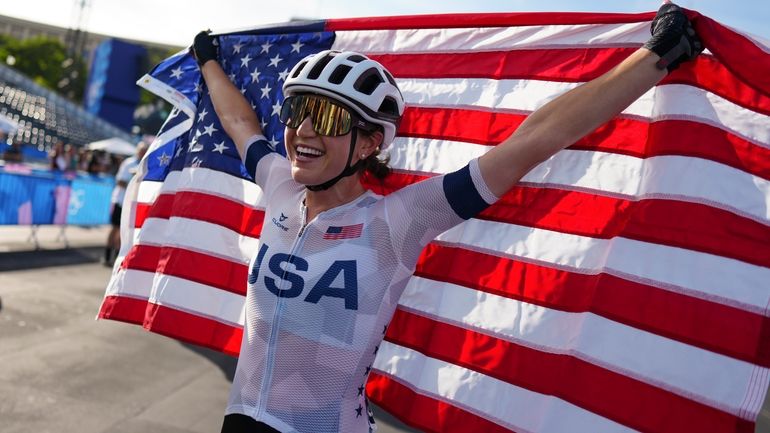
{"points": [[46, 61]]}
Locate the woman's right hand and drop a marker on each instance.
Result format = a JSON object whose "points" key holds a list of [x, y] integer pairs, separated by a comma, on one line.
{"points": [[204, 47]]}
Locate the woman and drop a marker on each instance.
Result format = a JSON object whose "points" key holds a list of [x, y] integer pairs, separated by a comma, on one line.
{"points": [[334, 258]]}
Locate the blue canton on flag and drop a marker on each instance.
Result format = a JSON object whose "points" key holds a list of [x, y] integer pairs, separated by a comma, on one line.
{"points": [[258, 66]]}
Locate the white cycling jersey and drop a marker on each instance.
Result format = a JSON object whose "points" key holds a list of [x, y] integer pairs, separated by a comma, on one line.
{"points": [[322, 292]]}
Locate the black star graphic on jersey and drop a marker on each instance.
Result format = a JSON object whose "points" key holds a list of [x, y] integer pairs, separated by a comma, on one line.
{"points": [[361, 390], [358, 411], [368, 369]]}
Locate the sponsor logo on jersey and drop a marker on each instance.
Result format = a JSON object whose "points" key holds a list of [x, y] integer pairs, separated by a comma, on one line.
{"points": [[279, 220]]}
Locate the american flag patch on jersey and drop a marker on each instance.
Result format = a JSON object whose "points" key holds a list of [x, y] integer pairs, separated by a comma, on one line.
{"points": [[344, 232]]}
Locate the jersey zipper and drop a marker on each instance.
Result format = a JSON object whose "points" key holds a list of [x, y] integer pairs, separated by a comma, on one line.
{"points": [[277, 314]]}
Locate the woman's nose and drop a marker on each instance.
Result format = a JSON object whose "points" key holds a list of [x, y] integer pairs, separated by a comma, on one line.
{"points": [[305, 129]]}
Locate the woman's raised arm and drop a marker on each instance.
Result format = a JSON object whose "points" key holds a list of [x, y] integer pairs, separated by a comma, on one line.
{"points": [[576, 113]]}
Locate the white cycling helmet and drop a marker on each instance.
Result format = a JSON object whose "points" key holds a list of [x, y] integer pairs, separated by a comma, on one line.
{"points": [[355, 80]]}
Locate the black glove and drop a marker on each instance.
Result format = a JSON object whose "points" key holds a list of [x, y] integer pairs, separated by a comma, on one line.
{"points": [[673, 37], [205, 47]]}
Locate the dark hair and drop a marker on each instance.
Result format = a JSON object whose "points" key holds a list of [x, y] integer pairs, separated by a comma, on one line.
{"points": [[375, 166]]}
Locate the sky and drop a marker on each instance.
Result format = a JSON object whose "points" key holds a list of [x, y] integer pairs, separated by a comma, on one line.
{"points": [[177, 21]]}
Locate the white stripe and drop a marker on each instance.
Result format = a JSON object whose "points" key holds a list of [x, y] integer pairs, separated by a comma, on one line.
{"points": [[515, 408], [132, 283], [198, 236], [714, 278], [199, 299], [672, 177], [180, 294], [672, 101], [477, 39], [203, 180], [691, 372]]}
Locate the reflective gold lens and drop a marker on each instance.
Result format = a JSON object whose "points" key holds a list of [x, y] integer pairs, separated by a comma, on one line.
{"points": [[328, 117]]}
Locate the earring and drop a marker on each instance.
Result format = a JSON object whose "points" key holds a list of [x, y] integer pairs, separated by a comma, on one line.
{"points": [[363, 156]]}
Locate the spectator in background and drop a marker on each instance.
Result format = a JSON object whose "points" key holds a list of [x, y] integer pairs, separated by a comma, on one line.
{"points": [[126, 171], [83, 156], [71, 157], [13, 153], [57, 158]]}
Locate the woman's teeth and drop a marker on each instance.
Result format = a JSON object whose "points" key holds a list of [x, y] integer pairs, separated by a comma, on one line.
{"points": [[308, 151]]}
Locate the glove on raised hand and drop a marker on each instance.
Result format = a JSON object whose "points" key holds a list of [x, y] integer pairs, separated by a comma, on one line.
{"points": [[204, 47], [673, 37]]}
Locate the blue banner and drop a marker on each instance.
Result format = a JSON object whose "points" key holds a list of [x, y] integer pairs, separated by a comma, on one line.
{"points": [[29, 196]]}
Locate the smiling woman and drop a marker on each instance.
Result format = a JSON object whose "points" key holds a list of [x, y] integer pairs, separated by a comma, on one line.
{"points": [[329, 271]]}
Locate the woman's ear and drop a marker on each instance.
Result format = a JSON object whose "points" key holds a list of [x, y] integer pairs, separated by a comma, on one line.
{"points": [[370, 142]]}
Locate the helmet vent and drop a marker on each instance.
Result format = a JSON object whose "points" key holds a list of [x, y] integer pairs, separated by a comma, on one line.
{"points": [[339, 74], [299, 69], [390, 78], [368, 81], [356, 58], [319, 67], [389, 106]]}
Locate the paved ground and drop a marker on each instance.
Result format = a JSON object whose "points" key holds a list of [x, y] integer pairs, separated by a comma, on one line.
{"points": [[61, 371]]}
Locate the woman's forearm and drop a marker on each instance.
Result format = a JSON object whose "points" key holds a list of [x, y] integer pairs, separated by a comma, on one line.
{"points": [[233, 110], [568, 118]]}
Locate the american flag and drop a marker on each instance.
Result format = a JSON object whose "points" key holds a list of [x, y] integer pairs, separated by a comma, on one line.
{"points": [[621, 285], [343, 232]]}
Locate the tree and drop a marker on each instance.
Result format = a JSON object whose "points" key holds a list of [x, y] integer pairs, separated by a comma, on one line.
{"points": [[46, 61]]}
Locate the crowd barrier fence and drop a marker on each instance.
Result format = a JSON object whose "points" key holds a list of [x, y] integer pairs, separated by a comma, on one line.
{"points": [[35, 197]]}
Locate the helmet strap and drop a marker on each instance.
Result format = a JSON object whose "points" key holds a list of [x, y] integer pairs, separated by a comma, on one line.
{"points": [[349, 170]]}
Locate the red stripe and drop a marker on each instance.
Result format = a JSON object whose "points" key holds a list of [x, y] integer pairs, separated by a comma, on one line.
{"points": [[483, 20], [716, 327], [189, 265], [620, 135], [124, 309], [732, 49], [567, 65], [692, 226], [204, 207], [193, 329], [422, 412], [628, 401]]}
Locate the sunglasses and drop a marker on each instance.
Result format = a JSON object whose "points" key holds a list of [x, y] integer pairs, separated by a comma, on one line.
{"points": [[328, 117]]}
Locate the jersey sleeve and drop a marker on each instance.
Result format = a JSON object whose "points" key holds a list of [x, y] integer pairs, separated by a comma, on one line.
{"points": [[421, 211], [262, 162]]}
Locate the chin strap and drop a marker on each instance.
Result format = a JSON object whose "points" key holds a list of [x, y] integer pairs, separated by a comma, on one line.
{"points": [[349, 170]]}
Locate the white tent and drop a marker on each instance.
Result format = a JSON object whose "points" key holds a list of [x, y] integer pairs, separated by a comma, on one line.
{"points": [[114, 145], [7, 125]]}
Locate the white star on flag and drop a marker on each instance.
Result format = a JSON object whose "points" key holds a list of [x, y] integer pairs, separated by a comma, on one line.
{"points": [[237, 48], [209, 130], [164, 159], [282, 75], [265, 47], [296, 46], [176, 73], [202, 114], [276, 109], [245, 61], [220, 147], [273, 142], [266, 91], [255, 76], [275, 60]]}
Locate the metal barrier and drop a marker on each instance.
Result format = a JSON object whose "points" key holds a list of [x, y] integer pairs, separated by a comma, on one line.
{"points": [[35, 197]]}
